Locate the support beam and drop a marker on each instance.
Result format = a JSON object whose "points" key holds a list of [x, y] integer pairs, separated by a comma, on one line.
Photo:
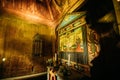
{"points": [[116, 4], [49, 8]]}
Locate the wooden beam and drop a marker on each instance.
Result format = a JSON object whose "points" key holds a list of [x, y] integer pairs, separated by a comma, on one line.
{"points": [[49, 8]]}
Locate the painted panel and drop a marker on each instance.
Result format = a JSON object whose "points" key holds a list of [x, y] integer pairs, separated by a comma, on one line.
{"points": [[69, 18], [72, 41], [93, 44]]}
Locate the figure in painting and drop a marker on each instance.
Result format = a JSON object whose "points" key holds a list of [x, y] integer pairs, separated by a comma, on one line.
{"points": [[78, 45]]}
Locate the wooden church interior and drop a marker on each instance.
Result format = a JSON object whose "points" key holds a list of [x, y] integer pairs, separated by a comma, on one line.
{"points": [[35, 34]]}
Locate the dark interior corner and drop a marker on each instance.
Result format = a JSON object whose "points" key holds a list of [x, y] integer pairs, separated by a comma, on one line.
{"points": [[96, 10]]}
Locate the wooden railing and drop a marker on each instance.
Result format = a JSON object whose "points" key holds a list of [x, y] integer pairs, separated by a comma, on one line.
{"points": [[26, 76]]}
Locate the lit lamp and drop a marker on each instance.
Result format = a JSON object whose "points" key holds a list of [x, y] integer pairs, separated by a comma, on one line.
{"points": [[1, 67], [118, 0], [3, 59]]}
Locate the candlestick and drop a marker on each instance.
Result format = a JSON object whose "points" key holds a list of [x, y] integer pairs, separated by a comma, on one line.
{"points": [[55, 57]]}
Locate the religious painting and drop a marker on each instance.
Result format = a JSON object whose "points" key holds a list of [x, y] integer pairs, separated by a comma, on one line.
{"points": [[72, 38], [72, 41]]}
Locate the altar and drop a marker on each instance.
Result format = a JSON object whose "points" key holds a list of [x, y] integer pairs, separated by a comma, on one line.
{"points": [[67, 73]]}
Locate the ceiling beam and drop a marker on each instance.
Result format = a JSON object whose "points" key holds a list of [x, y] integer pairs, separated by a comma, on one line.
{"points": [[49, 8]]}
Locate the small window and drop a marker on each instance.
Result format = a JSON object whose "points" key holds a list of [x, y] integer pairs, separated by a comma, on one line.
{"points": [[37, 45]]}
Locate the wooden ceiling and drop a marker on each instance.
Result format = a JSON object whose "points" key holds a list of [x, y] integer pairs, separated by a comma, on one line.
{"points": [[49, 12], [52, 12], [98, 13]]}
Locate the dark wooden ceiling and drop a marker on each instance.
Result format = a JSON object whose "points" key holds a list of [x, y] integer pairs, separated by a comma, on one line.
{"points": [[97, 9], [51, 12], [48, 12]]}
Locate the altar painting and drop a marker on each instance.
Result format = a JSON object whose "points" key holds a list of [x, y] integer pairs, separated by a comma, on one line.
{"points": [[72, 41]]}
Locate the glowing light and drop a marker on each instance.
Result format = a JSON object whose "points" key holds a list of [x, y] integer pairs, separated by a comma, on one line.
{"points": [[118, 0], [3, 59]]}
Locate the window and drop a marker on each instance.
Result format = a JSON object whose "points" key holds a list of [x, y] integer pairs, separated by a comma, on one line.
{"points": [[37, 45]]}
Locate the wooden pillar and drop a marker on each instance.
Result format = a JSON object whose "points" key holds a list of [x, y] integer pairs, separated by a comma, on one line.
{"points": [[116, 4]]}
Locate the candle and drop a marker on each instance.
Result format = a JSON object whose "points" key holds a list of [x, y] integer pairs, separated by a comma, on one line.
{"points": [[55, 57]]}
